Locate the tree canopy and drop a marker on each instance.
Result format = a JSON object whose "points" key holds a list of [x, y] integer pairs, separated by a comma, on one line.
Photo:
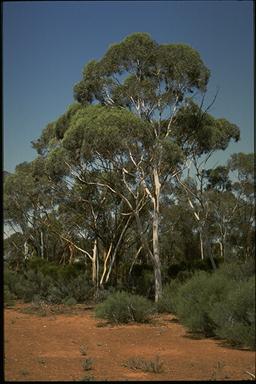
{"points": [[112, 174]]}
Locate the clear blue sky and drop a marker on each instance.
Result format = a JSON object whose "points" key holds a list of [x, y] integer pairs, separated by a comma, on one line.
{"points": [[47, 44]]}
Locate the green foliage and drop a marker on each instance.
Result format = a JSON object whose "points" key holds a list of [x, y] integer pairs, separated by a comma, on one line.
{"points": [[168, 301], [9, 297], [197, 296], [235, 315], [50, 283], [141, 280], [221, 303], [70, 301], [196, 129], [238, 271], [122, 307], [145, 63]]}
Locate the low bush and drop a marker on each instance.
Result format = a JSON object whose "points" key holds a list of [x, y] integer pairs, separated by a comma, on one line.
{"points": [[197, 296], [56, 293], [168, 301], [237, 272], [122, 307], [10, 278], [152, 366], [9, 298], [80, 288], [87, 364], [42, 282], [70, 301], [235, 315]]}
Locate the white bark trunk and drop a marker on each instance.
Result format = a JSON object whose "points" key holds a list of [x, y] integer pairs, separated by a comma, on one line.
{"points": [[94, 263], [105, 264], [26, 250], [42, 244], [201, 245], [116, 249], [156, 250]]}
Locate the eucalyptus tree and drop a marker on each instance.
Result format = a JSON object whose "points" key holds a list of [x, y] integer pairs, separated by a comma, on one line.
{"points": [[20, 206], [200, 135], [142, 131], [28, 198], [242, 168]]}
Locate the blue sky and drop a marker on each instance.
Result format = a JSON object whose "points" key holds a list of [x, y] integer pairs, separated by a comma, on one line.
{"points": [[46, 45]]}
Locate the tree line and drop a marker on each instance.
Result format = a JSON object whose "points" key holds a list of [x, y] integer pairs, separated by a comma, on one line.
{"points": [[121, 180]]}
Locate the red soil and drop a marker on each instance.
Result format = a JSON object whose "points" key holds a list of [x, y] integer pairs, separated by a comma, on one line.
{"points": [[49, 349]]}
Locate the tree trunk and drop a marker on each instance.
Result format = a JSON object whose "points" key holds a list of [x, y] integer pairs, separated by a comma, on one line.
{"points": [[156, 249], [116, 249], [26, 250], [221, 248], [207, 249], [105, 257], [42, 244], [94, 263], [201, 245]]}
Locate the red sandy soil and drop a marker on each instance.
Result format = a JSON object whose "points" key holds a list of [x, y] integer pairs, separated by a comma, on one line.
{"points": [[49, 349]]}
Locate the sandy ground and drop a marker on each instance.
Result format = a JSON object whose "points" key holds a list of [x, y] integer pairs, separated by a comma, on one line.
{"points": [[54, 347]]}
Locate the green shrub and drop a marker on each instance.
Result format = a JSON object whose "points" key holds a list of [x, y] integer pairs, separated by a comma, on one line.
{"points": [[141, 280], [122, 307], [168, 301], [55, 294], [69, 301], [102, 294], [197, 296], [10, 278], [49, 282], [67, 272], [79, 288], [9, 298], [235, 315], [237, 272]]}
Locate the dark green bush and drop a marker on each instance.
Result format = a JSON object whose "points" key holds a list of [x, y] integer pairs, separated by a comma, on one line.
{"points": [[237, 272], [55, 294], [80, 288], [69, 301], [9, 298], [122, 307], [235, 315], [168, 301], [10, 278], [141, 280], [102, 294], [197, 296], [49, 283]]}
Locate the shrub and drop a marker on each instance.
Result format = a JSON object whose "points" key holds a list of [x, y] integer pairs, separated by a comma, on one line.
{"points": [[102, 294], [153, 366], [141, 280], [122, 307], [55, 294], [69, 301], [235, 315], [197, 296], [9, 298], [237, 272], [168, 301], [10, 278], [79, 288], [87, 364]]}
